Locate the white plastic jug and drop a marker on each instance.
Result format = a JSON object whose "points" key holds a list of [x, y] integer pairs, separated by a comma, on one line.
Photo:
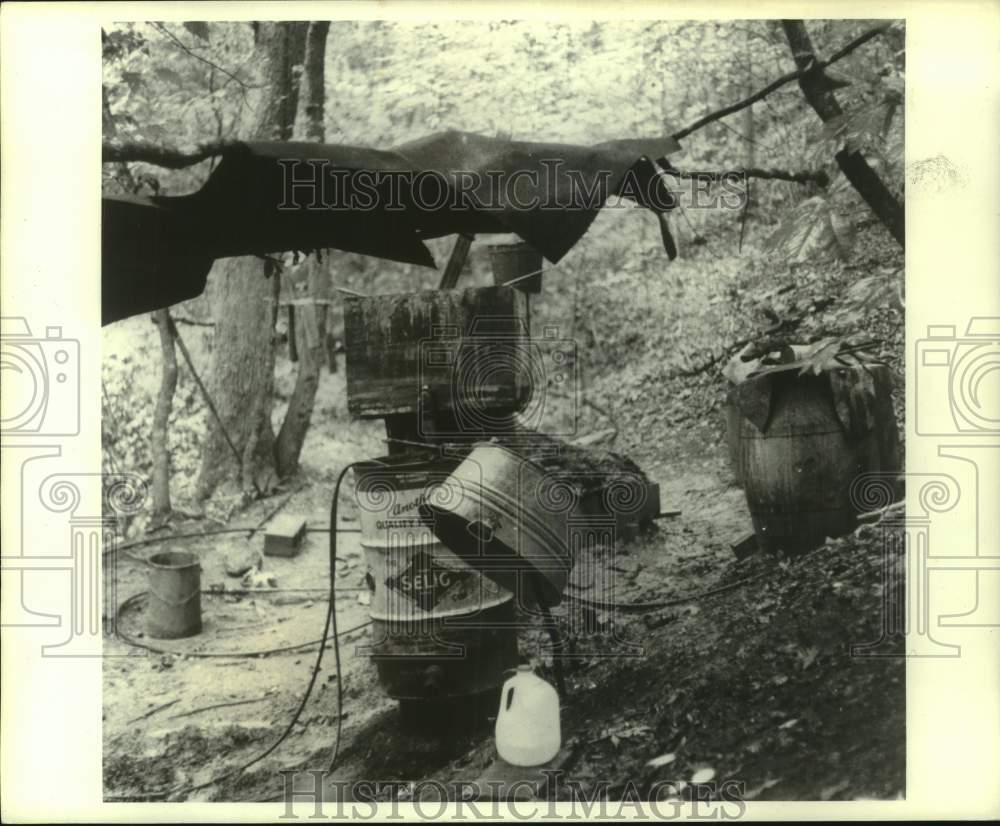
{"points": [[527, 732]]}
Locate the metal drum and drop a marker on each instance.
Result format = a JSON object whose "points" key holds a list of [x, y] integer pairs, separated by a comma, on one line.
{"points": [[440, 628], [509, 518]]}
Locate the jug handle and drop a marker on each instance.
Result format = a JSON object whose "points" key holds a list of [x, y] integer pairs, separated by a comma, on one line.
{"points": [[510, 698]]}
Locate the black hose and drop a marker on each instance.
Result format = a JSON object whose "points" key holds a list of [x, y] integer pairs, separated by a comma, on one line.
{"points": [[331, 620]]}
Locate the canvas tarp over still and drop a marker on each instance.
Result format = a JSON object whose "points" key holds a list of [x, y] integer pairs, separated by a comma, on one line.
{"points": [[265, 198]]}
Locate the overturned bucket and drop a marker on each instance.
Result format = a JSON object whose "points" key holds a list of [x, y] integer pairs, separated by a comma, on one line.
{"points": [[508, 517], [174, 607]]}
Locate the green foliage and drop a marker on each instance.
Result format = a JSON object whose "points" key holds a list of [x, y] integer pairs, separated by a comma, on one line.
{"points": [[812, 231]]}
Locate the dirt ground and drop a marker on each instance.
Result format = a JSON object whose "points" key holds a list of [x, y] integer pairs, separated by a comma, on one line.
{"points": [[756, 684]]}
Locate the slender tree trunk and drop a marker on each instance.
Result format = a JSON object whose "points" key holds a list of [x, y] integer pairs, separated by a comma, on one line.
{"points": [[311, 327], [242, 371], [161, 416], [865, 180]]}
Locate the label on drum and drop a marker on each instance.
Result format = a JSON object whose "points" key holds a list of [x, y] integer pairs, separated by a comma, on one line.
{"points": [[427, 583]]}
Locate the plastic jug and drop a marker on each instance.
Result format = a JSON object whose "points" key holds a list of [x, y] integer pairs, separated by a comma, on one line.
{"points": [[527, 731]]}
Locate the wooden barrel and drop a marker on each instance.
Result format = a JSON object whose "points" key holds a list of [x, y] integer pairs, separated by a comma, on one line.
{"points": [[465, 351], [797, 471], [734, 423]]}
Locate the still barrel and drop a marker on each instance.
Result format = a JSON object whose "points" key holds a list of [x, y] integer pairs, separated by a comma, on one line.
{"points": [[440, 628], [798, 468], [512, 262], [509, 518], [464, 351], [174, 606]]}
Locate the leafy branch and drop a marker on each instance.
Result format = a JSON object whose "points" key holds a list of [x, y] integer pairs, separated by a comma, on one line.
{"points": [[180, 43]]}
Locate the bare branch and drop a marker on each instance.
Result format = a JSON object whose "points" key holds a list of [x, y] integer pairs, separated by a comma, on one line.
{"points": [[813, 67], [803, 177]]}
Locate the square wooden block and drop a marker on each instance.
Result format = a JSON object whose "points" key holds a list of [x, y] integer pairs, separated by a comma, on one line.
{"points": [[284, 535]]}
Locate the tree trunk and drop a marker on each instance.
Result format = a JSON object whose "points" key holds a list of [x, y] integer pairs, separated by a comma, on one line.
{"points": [[243, 305], [161, 416], [863, 178], [310, 329], [313, 92]]}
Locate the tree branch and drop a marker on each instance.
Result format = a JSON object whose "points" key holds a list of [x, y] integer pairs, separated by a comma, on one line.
{"points": [[812, 68], [805, 176], [113, 151], [164, 30]]}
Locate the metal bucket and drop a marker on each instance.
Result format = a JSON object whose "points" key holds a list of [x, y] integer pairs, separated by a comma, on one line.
{"points": [[510, 261], [509, 518], [174, 607], [440, 628]]}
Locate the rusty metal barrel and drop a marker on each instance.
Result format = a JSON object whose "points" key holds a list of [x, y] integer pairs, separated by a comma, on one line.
{"points": [[520, 262], [174, 608], [798, 468], [440, 628], [509, 518], [462, 351]]}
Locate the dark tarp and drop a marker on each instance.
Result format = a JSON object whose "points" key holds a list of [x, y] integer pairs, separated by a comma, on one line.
{"points": [[157, 251]]}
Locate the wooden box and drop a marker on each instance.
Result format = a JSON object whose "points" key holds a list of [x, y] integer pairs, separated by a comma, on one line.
{"points": [[284, 535]]}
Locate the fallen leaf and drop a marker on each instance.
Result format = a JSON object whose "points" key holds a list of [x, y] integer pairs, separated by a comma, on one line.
{"points": [[789, 723], [662, 760], [808, 657], [703, 775]]}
